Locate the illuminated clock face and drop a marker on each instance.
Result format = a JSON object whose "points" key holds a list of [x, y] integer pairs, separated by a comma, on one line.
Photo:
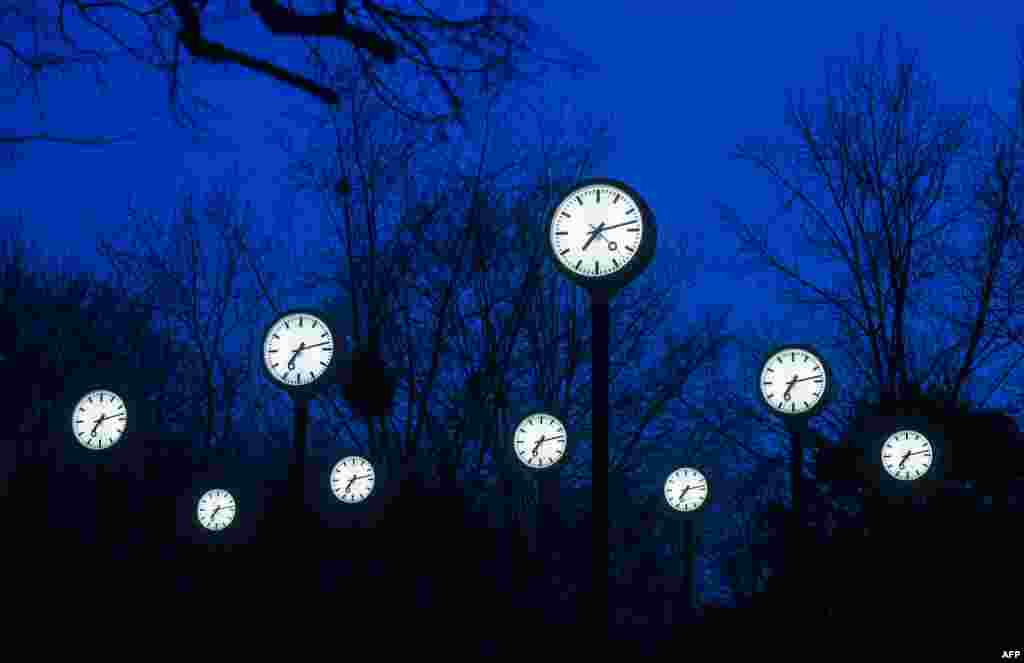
{"points": [[352, 479], [540, 441], [793, 381], [596, 230], [907, 455], [99, 419], [298, 349], [216, 509], [686, 489]]}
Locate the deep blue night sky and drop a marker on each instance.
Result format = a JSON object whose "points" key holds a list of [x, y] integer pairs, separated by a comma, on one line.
{"points": [[680, 87]]}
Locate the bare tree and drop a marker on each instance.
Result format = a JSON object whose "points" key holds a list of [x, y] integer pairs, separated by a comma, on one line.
{"points": [[878, 170], [191, 267], [419, 58]]}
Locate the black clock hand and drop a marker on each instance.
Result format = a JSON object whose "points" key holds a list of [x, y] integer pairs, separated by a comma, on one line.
{"points": [[97, 423], [593, 235], [918, 452], [537, 445], [619, 225], [792, 382], [904, 459], [295, 353], [315, 345], [214, 514]]}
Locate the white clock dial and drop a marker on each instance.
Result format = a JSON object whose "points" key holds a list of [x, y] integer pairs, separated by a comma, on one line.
{"points": [[686, 489], [907, 455], [298, 349], [540, 441], [597, 230], [793, 381], [216, 509], [99, 419], [352, 479]]}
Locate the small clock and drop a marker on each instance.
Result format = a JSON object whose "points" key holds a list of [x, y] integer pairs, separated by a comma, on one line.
{"points": [[298, 349], [352, 479], [686, 490], [540, 441], [99, 419], [794, 380], [601, 234], [907, 455], [216, 509]]}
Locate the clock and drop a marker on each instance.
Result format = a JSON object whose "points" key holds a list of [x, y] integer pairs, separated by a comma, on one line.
{"points": [[794, 380], [601, 234], [686, 490], [540, 441], [352, 479], [99, 419], [907, 455], [216, 509], [298, 349]]}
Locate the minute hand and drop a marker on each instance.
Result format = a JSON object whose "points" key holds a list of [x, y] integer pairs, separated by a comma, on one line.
{"points": [[618, 225]]}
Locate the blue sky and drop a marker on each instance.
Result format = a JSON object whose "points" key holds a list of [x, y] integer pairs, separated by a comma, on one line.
{"points": [[681, 87]]}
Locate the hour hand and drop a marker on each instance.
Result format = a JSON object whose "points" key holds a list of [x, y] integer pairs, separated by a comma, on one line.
{"points": [[593, 235]]}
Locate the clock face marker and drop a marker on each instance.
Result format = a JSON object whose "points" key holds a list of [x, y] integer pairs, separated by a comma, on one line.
{"points": [[541, 441], [352, 479], [301, 364], [94, 419], [595, 246], [801, 380], [686, 489]]}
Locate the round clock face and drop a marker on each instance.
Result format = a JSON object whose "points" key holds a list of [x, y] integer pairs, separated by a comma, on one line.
{"points": [[793, 381], [216, 509], [298, 349], [352, 479], [99, 419], [597, 230], [540, 441], [907, 455], [686, 489]]}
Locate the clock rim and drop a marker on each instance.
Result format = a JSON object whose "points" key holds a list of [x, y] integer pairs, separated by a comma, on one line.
{"points": [[316, 386], [609, 284], [102, 386], [826, 396], [334, 466], [195, 511], [569, 442], [707, 492], [931, 445]]}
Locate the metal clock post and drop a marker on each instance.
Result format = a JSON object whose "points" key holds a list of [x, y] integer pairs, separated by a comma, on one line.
{"points": [[795, 383], [541, 443], [601, 235], [99, 419], [298, 356], [687, 495]]}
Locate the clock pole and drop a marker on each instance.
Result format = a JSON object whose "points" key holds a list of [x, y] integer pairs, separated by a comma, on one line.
{"points": [[689, 566], [601, 324], [297, 478]]}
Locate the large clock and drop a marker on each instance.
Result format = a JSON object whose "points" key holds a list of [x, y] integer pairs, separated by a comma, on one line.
{"points": [[216, 509], [298, 349], [601, 234], [99, 419], [686, 490], [794, 380], [540, 441], [907, 455], [352, 479]]}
